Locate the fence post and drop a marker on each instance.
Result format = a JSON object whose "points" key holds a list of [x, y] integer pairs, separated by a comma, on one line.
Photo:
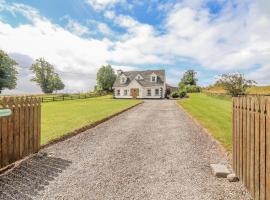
{"points": [[267, 175]]}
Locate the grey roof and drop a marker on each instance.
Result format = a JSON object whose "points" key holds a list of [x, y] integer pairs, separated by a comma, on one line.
{"points": [[146, 82]]}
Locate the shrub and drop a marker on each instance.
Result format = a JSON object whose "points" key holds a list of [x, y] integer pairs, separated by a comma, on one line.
{"points": [[175, 94], [182, 93], [192, 88]]}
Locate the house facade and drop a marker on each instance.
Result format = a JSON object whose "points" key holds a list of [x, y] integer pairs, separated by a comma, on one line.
{"points": [[149, 84]]}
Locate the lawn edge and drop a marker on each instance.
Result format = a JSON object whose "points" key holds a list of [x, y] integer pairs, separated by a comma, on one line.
{"points": [[205, 130], [71, 134]]}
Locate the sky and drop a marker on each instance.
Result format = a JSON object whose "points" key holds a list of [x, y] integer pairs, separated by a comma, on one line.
{"points": [[78, 36]]}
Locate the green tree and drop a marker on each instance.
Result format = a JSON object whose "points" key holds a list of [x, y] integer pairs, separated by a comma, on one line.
{"points": [[235, 84], [189, 78], [8, 72], [105, 78], [46, 77]]}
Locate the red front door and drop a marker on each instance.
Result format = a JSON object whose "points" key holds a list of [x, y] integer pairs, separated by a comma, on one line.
{"points": [[134, 92]]}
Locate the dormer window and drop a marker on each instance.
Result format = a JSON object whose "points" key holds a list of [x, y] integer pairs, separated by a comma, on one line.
{"points": [[139, 77], [153, 77]]}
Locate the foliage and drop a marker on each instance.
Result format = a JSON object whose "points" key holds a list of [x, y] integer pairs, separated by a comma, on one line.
{"points": [[8, 72], [213, 113], [105, 78], [175, 94], [46, 77], [182, 93], [189, 78], [60, 118], [235, 84], [191, 88]]}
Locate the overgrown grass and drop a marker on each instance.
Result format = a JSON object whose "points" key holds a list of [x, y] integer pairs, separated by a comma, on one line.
{"points": [[253, 90], [59, 118], [214, 114]]}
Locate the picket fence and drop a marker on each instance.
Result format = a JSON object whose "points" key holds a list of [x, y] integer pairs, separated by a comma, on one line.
{"points": [[251, 144], [19, 132]]}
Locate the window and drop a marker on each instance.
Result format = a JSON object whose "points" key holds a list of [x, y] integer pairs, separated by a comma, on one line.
{"points": [[125, 92], [148, 92], [153, 79], [123, 80], [118, 92], [156, 92]]}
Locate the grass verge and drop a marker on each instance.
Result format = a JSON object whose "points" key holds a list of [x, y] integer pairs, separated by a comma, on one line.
{"points": [[214, 114], [59, 118]]}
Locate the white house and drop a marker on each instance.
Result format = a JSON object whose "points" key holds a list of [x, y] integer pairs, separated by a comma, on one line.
{"points": [[149, 84]]}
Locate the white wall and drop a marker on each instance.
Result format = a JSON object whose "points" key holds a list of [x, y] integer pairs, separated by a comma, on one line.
{"points": [[142, 91]]}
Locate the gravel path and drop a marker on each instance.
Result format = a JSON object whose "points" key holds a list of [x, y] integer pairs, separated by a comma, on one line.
{"points": [[154, 151]]}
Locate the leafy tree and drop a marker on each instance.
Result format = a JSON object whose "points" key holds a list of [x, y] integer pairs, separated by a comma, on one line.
{"points": [[189, 78], [8, 72], [105, 78], [235, 84], [45, 76]]}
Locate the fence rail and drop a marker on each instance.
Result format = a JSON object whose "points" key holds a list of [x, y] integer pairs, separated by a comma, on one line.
{"points": [[251, 144], [19, 132]]}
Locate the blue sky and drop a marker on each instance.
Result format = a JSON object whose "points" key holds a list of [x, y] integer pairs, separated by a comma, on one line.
{"points": [[78, 36]]}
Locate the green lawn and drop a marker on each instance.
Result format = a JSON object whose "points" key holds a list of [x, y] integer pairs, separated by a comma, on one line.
{"points": [[59, 118], [214, 114]]}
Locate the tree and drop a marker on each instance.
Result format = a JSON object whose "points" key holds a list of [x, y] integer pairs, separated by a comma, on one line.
{"points": [[8, 72], [235, 84], [45, 76], [189, 78], [105, 78]]}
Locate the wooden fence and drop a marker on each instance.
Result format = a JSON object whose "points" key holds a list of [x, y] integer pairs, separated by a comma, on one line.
{"points": [[251, 144], [19, 132]]}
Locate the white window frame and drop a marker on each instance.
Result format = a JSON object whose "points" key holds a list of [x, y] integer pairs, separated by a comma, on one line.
{"points": [[118, 92], [125, 92]]}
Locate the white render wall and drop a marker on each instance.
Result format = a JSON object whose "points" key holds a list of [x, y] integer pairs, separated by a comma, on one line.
{"points": [[142, 91]]}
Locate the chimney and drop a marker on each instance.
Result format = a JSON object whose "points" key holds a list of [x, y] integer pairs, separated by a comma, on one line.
{"points": [[119, 71]]}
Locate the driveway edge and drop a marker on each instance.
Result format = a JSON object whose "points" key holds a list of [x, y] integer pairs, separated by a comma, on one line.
{"points": [[220, 146], [85, 128]]}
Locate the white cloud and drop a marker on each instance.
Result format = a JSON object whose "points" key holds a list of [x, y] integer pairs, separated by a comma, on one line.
{"points": [[77, 28], [103, 4], [104, 28]]}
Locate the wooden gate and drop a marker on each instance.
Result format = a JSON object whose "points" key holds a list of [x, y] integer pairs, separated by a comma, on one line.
{"points": [[251, 144], [19, 132]]}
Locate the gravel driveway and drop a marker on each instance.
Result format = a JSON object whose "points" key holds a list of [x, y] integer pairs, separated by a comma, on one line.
{"points": [[153, 151]]}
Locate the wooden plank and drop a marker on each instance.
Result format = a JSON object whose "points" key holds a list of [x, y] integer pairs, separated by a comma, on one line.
{"points": [[1, 158], [244, 141], [241, 140], [22, 124], [10, 121], [257, 150], [238, 137], [39, 124], [31, 128], [16, 130], [252, 149], [234, 132], [34, 125], [26, 125], [262, 148], [5, 160], [267, 186], [248, 143]]}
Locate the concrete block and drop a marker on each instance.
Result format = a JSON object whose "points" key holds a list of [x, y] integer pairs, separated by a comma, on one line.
{"points": [[219, 170], [232, 178]]}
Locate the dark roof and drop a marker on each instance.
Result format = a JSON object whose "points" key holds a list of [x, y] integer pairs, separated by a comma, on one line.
{"points": [[146, 82]]}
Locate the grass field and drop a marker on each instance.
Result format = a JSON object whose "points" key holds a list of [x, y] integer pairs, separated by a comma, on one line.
{"points": [[253, 90], [59, 118], [214, 114]]}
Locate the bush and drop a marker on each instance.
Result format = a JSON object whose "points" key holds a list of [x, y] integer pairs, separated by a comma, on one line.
{"points": [[182, 93], [175, 94], [192, 88]]}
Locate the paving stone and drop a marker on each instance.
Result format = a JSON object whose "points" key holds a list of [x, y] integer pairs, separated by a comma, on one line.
{"points": [[232, 178], [219, 170]]}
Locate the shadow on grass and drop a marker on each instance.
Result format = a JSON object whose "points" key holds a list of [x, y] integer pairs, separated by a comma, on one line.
{"points": [[31, 177]]}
